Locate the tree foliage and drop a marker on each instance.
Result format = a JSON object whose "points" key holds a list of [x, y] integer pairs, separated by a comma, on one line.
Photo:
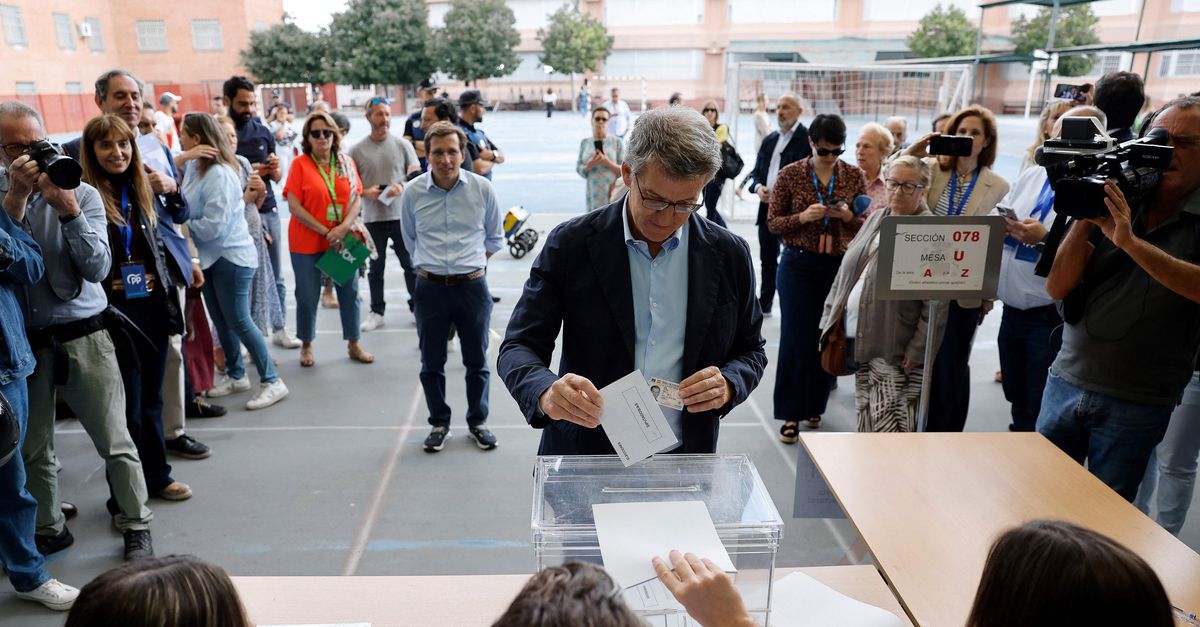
{"points": [[478, 40], [1076, 27], [943, 32], [381, 42], [573, 43], [284, 53]]}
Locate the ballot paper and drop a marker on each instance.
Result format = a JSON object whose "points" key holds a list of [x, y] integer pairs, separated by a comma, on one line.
{"points": [[801, 601], [152, 154], [631, 534], [633, 421], [386, 197]]}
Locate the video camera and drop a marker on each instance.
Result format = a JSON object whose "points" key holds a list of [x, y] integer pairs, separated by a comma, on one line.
{"points": [[1079, 162]]}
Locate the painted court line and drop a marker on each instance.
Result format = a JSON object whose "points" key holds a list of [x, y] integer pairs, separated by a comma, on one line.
{"points": [[404, 428]]}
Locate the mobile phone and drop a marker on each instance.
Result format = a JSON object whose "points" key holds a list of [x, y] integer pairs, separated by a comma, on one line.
{"points": [[1066, 91], [381, 187], [599, 144], [951, 145], [1009, 213]]}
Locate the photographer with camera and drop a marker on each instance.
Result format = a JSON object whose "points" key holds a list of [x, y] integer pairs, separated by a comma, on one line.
{"points": [[1131, 291]]}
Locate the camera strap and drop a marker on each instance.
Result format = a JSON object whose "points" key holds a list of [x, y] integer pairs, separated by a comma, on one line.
{"points": [[957, 209]]}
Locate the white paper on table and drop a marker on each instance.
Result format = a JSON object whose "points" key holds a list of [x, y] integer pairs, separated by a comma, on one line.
{"points": [[651, 596], [152, 154], [801, 601], [386, 197], [631, 534], [633, 421]]}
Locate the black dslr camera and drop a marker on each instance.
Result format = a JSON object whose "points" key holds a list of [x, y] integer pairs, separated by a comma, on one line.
{"points": [[1079, 162], [63, 171]]}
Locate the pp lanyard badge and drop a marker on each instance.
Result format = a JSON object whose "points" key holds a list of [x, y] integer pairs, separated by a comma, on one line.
{"points": [[333, 213], [133, 275]]}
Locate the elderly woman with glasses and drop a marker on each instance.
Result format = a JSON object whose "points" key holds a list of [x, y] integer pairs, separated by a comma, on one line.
{"points": [[599, 161], [887, 336], [811, 210]]}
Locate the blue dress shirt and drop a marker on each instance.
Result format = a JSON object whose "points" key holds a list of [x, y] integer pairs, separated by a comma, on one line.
{"points": [[450, 232]]}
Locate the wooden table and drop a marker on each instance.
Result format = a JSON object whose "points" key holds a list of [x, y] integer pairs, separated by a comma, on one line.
{"points": [[457, 600], [929, 506]]}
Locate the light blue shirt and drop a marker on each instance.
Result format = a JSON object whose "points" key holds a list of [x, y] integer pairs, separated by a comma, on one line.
{"points": [[218, 223], [450, 232], [660, 295]]}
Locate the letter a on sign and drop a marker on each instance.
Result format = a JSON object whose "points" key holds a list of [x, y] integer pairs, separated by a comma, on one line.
{"points": [[928, 272]]}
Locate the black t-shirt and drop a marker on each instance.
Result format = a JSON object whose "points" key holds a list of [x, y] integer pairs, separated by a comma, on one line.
{"points": [[256, 142]]}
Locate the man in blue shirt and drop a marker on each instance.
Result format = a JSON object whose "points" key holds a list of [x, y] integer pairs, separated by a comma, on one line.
{"points": [[451, 226], [640, 284]]}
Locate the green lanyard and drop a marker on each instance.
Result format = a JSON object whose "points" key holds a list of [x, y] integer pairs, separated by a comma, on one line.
{"points": [[334, 212]]}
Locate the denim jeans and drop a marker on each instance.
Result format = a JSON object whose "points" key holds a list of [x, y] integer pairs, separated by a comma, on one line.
{"points": [[469, 307], [950, 378], [1113, 435], [801, 385], [308, 296], [227, 295], [1173, 464], [1029, 341], [381, 232], [272, 228], [18, 510]]}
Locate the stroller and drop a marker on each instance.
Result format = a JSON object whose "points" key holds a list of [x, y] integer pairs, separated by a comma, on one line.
{"points": [[519, 241]]}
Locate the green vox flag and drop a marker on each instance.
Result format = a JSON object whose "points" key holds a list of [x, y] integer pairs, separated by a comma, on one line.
{"points": [[340, 265]]}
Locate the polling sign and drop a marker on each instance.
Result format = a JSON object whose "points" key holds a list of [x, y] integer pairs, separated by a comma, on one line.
{"points": [[939, 258]]}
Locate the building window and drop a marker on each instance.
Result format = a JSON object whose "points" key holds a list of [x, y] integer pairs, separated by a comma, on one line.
{"points": [[1185, 6], [684, 65], [533, 14], [96, 38], [437, 14], [152, 36], [653, 12], [769, 11], [26, 88], [14, 25], [913, 10], [1110, 62], [1180, 63], [206, 35], [530, 70], [62, 31], [260, 26], [74, 88]]}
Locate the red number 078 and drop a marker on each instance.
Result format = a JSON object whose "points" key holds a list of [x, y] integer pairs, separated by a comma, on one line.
{"points": [[966, 236]]}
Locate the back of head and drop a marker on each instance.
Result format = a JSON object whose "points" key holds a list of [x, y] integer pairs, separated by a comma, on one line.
{"points": [[679, 139], [1120, 95], [575, 594], [1052, 573], [174, 590], [343, 122]]}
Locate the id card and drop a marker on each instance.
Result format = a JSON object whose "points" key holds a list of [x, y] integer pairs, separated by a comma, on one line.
{"points": [[333, 213], [1027, 253], [133, 276], [666, 393]]}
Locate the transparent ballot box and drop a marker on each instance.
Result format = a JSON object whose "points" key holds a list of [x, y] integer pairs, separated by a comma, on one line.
{"points": [[747, 522]]}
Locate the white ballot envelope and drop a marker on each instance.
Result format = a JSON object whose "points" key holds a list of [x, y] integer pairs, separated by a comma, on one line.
{"points": [[801, 601], [386, 197], [151, 152], [630, 534], [633, 421]]}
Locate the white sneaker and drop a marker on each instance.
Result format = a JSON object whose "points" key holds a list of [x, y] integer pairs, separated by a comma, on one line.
{"points": [[53, 594], [281, 338], [373, 321], [229, 386], [268, 394]]}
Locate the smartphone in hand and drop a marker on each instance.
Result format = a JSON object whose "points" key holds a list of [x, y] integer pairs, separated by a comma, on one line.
{"points": [[951, 145]]}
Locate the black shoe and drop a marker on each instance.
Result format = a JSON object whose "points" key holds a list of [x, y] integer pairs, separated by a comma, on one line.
{"points": [[187, 447], [495, 299], [48, 545], [69, 510], [138, 545], [436, 440], [201, 408], [482, 436]]}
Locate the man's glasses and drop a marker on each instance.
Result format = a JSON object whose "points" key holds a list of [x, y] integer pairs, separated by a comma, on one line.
{"points": [[825, 152], [16, 150], [908, 189], [320, 133], [659, 205]]}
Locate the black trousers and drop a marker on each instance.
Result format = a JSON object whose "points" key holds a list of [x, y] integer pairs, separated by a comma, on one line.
{"points": [[950, 387], [1029, 341], [712, 193], [768, 256]]}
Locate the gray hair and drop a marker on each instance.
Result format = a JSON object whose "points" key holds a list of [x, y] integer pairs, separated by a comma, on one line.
{"points": [[677, 138], [106, 78], [18, 109], [1082, 111], [896, 118], [919, 166], [884, 140]]}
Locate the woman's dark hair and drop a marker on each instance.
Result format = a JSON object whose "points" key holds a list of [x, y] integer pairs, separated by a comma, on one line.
{"points": [[172, 590], [101, 128], [1051, 573], [575, 594], [991, 134], [829, 128], [236, 84], [443, 109]]}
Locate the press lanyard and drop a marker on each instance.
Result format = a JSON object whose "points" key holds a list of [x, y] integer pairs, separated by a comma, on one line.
{"points": [[956, 210], [1044, 202], [126, 229], [829, 191], [330, 179]]}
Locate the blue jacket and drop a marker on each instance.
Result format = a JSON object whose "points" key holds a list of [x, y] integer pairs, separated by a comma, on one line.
{"points": [[796, 150], [580, 284], [20, 264]]}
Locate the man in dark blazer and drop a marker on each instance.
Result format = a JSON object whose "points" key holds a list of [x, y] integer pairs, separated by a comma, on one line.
{"points": [[771, 159], [645, 284]]}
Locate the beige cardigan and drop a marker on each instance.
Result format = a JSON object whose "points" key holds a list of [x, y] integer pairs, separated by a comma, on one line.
{"points": [[989, 190]]}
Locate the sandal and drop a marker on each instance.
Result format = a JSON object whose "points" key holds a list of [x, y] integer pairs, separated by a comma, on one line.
{"points": [[789, 433], [306, 356], [813, 422], [357, 353]]}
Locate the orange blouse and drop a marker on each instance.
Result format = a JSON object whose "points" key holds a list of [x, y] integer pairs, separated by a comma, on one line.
{"points": [[305, 182]]}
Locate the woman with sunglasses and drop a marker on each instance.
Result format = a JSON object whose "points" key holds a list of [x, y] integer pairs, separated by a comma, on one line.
{"points": [[811, 212], [324, 196], [599, 162], [228, 258], [887, 337], [712, 191]]}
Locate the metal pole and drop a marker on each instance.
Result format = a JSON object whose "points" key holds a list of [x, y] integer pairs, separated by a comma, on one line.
{"points": [[978, 49], [1146, 72], [930, 333], [1049, 45]]}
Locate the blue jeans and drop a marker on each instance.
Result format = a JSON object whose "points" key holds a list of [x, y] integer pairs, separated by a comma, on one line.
{"points": [[469, 307], [227, 295], [1029, 341], [18, 510], [1115, 436], [272, 228], [308, 296], [801, 385], [1174, 463]]}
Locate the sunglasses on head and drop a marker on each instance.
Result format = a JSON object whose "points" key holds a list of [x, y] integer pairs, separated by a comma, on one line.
{"points": [[378, 100], [825, 152], [320, 133]]}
